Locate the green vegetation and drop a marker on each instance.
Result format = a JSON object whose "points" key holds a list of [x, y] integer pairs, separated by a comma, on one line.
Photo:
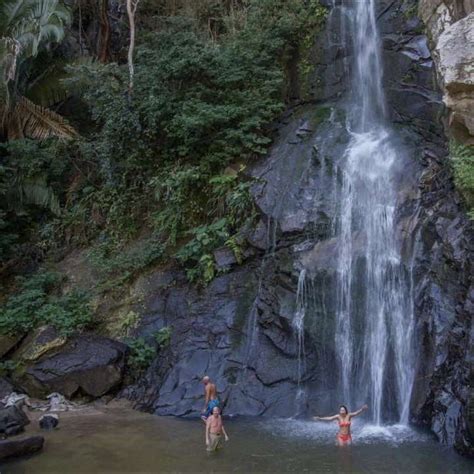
{"points": [[117, 264], [141, 354], [320, 115], [143, 177], [35, 304], [163, 337], [463, 164], [27, 29], [125, 323]]}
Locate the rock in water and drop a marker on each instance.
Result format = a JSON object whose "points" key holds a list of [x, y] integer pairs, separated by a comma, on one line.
{"points": [[12, 420], [20, 447], [16, 399], [49, 422], [88, 365], [58, 403]]}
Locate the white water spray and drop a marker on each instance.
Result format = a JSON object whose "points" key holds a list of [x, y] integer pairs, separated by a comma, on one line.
{"points": [[376, 333], [298, 322]]}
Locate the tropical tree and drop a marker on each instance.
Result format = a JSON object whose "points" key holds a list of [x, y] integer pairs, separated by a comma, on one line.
{"points": [[26, 27]]}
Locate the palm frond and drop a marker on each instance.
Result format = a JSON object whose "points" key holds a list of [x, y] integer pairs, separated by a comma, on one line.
{"points": [[47, 88], [32, 191], [33, 121], [34, 22], [12, 10]]}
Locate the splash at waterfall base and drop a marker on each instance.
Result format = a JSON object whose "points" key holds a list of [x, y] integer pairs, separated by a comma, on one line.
{"points": [[402, 274]]}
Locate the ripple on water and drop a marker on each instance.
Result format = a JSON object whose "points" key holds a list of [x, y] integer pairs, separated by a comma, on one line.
{"points": [[325, 433]]}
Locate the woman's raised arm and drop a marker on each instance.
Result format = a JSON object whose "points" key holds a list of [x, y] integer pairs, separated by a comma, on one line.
{"points": [[359, 411], [325, 418]]}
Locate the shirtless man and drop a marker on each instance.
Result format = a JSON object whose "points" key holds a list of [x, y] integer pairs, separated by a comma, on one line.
{"points": [[215, 430], [211, 401]]}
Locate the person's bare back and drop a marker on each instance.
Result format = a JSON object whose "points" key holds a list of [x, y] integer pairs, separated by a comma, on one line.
{"points": [[211, 391], [211, 400]]}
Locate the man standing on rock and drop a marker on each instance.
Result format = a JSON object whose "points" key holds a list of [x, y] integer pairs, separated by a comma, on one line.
{"points": [[212, 401], [214, 430]]}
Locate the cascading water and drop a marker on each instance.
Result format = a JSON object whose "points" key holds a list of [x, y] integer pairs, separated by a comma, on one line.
{"points": [[353, 287], [374, 315], [298, 323]]}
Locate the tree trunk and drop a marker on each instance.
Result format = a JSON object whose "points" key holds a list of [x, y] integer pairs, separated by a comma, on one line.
{"points": [[103, 49], [131, 10]]}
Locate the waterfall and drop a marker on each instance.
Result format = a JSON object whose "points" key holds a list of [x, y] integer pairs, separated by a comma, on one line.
{"points": [[298, 323], [374, 314]]}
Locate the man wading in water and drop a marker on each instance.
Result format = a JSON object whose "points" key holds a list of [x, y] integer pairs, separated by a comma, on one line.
{"points": [[214, 430], [212, 401]]}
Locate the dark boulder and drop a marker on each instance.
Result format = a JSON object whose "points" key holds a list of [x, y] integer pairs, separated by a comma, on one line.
{"points": [[49, 421], [20, 447], [8, 344], [12, 420], [45, 339], [6, 387], [87, 365]]}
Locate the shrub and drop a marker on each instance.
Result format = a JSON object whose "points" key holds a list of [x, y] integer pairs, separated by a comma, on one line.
{"points": [[125, 324], [117, 264], [198, 251], [33, 305], [141, 354], [463, 163], [163, 337]]}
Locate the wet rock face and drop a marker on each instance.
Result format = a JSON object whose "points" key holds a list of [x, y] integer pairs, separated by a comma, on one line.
{"points": [[240, 330], [87, 365], [444, 308], [212, 334]]}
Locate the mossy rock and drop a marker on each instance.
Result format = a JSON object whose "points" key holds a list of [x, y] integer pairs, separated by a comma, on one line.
{"points": [[320, 114], [44, 340]]}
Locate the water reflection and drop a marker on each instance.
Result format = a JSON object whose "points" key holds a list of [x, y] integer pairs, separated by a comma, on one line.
{"points": [[131, 442]]}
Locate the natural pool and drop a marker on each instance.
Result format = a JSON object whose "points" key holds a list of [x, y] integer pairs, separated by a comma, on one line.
{"points": [[116, 440]]}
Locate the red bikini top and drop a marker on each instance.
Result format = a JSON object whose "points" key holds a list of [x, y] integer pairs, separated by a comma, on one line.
{"points": [[344, 423]]}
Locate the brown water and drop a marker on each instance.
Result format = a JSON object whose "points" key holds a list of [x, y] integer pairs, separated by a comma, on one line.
{"points": [[131, 442]]}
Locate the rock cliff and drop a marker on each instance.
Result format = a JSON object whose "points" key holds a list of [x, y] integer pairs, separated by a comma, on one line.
{"points": [[241, 328], [450, 25]]}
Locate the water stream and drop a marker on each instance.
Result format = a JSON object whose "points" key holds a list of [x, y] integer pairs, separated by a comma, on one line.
{"points": [[369, 200], [298, 323], [372, 288]]}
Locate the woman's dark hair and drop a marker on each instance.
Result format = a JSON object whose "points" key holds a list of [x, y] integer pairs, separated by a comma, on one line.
{"points": [[345, 408]]}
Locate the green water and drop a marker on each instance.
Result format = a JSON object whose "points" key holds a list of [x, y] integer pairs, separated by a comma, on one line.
{"points": [[131, 442]]}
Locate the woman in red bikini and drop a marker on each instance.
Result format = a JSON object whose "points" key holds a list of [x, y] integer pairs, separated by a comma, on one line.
{"points": [[343, 438]]}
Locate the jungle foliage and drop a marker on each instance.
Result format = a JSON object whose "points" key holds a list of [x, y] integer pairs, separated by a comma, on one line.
{"points": [[164, 166], [37, 304]]}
